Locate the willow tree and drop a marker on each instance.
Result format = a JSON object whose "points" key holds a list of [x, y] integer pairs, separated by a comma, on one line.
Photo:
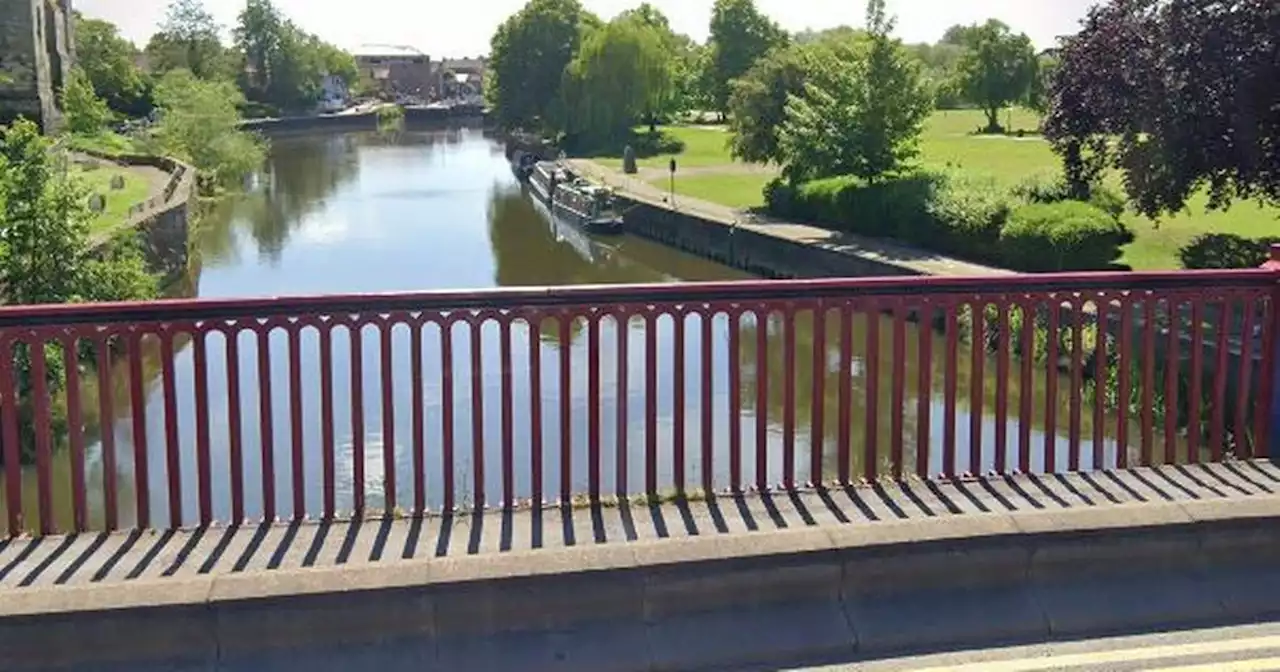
{"points": [[622, 74]]}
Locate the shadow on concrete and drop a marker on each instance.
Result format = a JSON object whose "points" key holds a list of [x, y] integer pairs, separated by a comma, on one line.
{"points": [[129, 556]]}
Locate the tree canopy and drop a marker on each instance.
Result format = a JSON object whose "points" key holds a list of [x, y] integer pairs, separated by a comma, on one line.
{"points": [[998, 67], [1178, 95], [622, 74], [528, 57], [740, 35], [285, 67], [189, 39], [109, 61], [862, 116]]}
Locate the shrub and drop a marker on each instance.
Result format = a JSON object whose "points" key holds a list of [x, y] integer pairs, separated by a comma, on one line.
{"points": [[1052, 188], [1063, 236], [893, 208], [1225, 250], [971, 212]]}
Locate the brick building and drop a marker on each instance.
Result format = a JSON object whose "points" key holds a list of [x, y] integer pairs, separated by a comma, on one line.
{"points": [[397, 70]]}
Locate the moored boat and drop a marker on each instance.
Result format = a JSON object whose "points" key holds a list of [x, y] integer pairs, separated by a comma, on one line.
{"points": [[575, 199]]}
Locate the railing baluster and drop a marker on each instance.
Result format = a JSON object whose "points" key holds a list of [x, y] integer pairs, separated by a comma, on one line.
{"points": [[508, 456], [137, 408], [678, 401], [75, 433], [10, 399], [1076, 400], [1172, 365], [41, 421], [871, 360], [298, 472], [593, 407], [328, 468], [1125, 388], [1102, 311], [950, 381], [818, 394], [1263, 422], [1194, 405], [204, 469], [898, 414], [106, 418], [1054, 306], [1003, 339], [707, 391], [477, 414], [173, 460], [1030, 311], [924, 387], [356, 330], [844, 456], [389, 500], [762, 397], [1245, 390], [565, 354], [1222, 345], [419, 411], [266, 422], [977, 381], [535, 407], [233, 424], [446, 414], [651, 404], [789, 313], [1148, 377], [623, 322]]}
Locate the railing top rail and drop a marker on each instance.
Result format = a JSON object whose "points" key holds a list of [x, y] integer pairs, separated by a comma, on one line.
{"points": [[533, 297]]}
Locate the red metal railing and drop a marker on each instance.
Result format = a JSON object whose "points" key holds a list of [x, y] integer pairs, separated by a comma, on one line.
{"points": [[192, 412]]}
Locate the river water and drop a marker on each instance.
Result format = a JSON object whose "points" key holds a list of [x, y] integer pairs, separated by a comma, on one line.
{"points": [[440, 210]]}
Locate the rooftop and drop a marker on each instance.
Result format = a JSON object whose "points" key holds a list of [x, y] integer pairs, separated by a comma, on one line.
{"points": [[386, 50]]}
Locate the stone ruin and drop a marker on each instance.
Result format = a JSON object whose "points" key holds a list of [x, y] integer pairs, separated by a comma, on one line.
{"points": [[36, 53]]}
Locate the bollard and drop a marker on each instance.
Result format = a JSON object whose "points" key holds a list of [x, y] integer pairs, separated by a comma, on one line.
{"points": [[1273, 423]]}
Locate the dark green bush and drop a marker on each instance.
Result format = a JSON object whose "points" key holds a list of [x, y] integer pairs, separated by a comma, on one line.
{"points": [[969, 213], [1225, 250], [1052, 188], [1063, 236]]}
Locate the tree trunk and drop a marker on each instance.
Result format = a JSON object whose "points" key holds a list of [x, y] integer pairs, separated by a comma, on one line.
{"points": [[993, 120]]}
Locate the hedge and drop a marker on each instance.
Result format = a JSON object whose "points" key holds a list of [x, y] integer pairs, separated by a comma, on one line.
{"points": [[1063, 236], [1226, 250], [963, 215]]}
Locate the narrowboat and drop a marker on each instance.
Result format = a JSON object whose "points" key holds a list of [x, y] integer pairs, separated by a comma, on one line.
{"points": [[573, 198]]}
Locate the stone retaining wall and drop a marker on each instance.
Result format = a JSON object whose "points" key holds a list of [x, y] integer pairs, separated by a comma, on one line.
{"points": [[162, 222], [314, 123]]}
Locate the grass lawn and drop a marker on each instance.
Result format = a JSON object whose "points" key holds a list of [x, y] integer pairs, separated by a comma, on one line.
{"points": [[106, 142], [948, 142], [119, 201]]}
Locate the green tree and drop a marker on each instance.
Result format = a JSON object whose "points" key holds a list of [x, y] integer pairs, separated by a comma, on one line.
{"points": [[860, 116], [527, 61], [622, 74], [199, 123], [189, 39], [998, 68], [109, 60], [740, 35], [681, 60], [758, 104], [86, 113]]}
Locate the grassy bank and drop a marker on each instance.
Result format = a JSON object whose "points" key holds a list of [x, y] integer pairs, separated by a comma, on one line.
{"points": [[98, 181], [949, 142]]}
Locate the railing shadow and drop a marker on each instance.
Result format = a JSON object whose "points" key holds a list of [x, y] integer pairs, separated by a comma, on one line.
{"points": [[138, 556]]}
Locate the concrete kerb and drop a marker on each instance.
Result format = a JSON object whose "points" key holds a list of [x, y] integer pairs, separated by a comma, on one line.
{"points": [[928, 582]]}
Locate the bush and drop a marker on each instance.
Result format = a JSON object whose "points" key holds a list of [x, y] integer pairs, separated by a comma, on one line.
{"points": [[1052, 188], [1226, 250], [971, 212], [1063, 236]]}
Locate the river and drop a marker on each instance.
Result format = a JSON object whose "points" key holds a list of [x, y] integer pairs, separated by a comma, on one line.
{"points": [[356, 213]]}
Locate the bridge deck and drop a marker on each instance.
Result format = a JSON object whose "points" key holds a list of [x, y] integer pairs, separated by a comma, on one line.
{"points": [[153, 556]]}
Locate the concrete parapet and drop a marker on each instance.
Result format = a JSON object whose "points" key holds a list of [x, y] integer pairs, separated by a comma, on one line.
{"points": [[916, 582]]}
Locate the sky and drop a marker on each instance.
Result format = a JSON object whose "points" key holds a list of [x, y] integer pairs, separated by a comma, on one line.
{"points": [[456, 28]]}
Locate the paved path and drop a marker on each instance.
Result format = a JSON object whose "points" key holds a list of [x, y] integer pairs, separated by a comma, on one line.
{"points": [[1249, 648], [151, 556], [923, 262]]}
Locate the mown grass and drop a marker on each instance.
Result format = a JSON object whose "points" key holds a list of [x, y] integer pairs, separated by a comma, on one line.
{"points": [[98, 180], [106, 142], [949, 141]]}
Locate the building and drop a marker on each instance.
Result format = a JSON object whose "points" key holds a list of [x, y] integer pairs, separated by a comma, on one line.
{"points": [[397, 70], [462, 77], [36, 54]]}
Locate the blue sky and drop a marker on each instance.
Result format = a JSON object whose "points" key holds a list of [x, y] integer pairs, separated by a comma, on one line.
{"points": [[463, 27]]}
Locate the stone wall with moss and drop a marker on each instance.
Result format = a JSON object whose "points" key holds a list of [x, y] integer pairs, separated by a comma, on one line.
{"points": [[36, 55]]}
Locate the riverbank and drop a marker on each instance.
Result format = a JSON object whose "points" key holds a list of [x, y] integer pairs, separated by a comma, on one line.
{"points": [[761, 244], [364, 119]]}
